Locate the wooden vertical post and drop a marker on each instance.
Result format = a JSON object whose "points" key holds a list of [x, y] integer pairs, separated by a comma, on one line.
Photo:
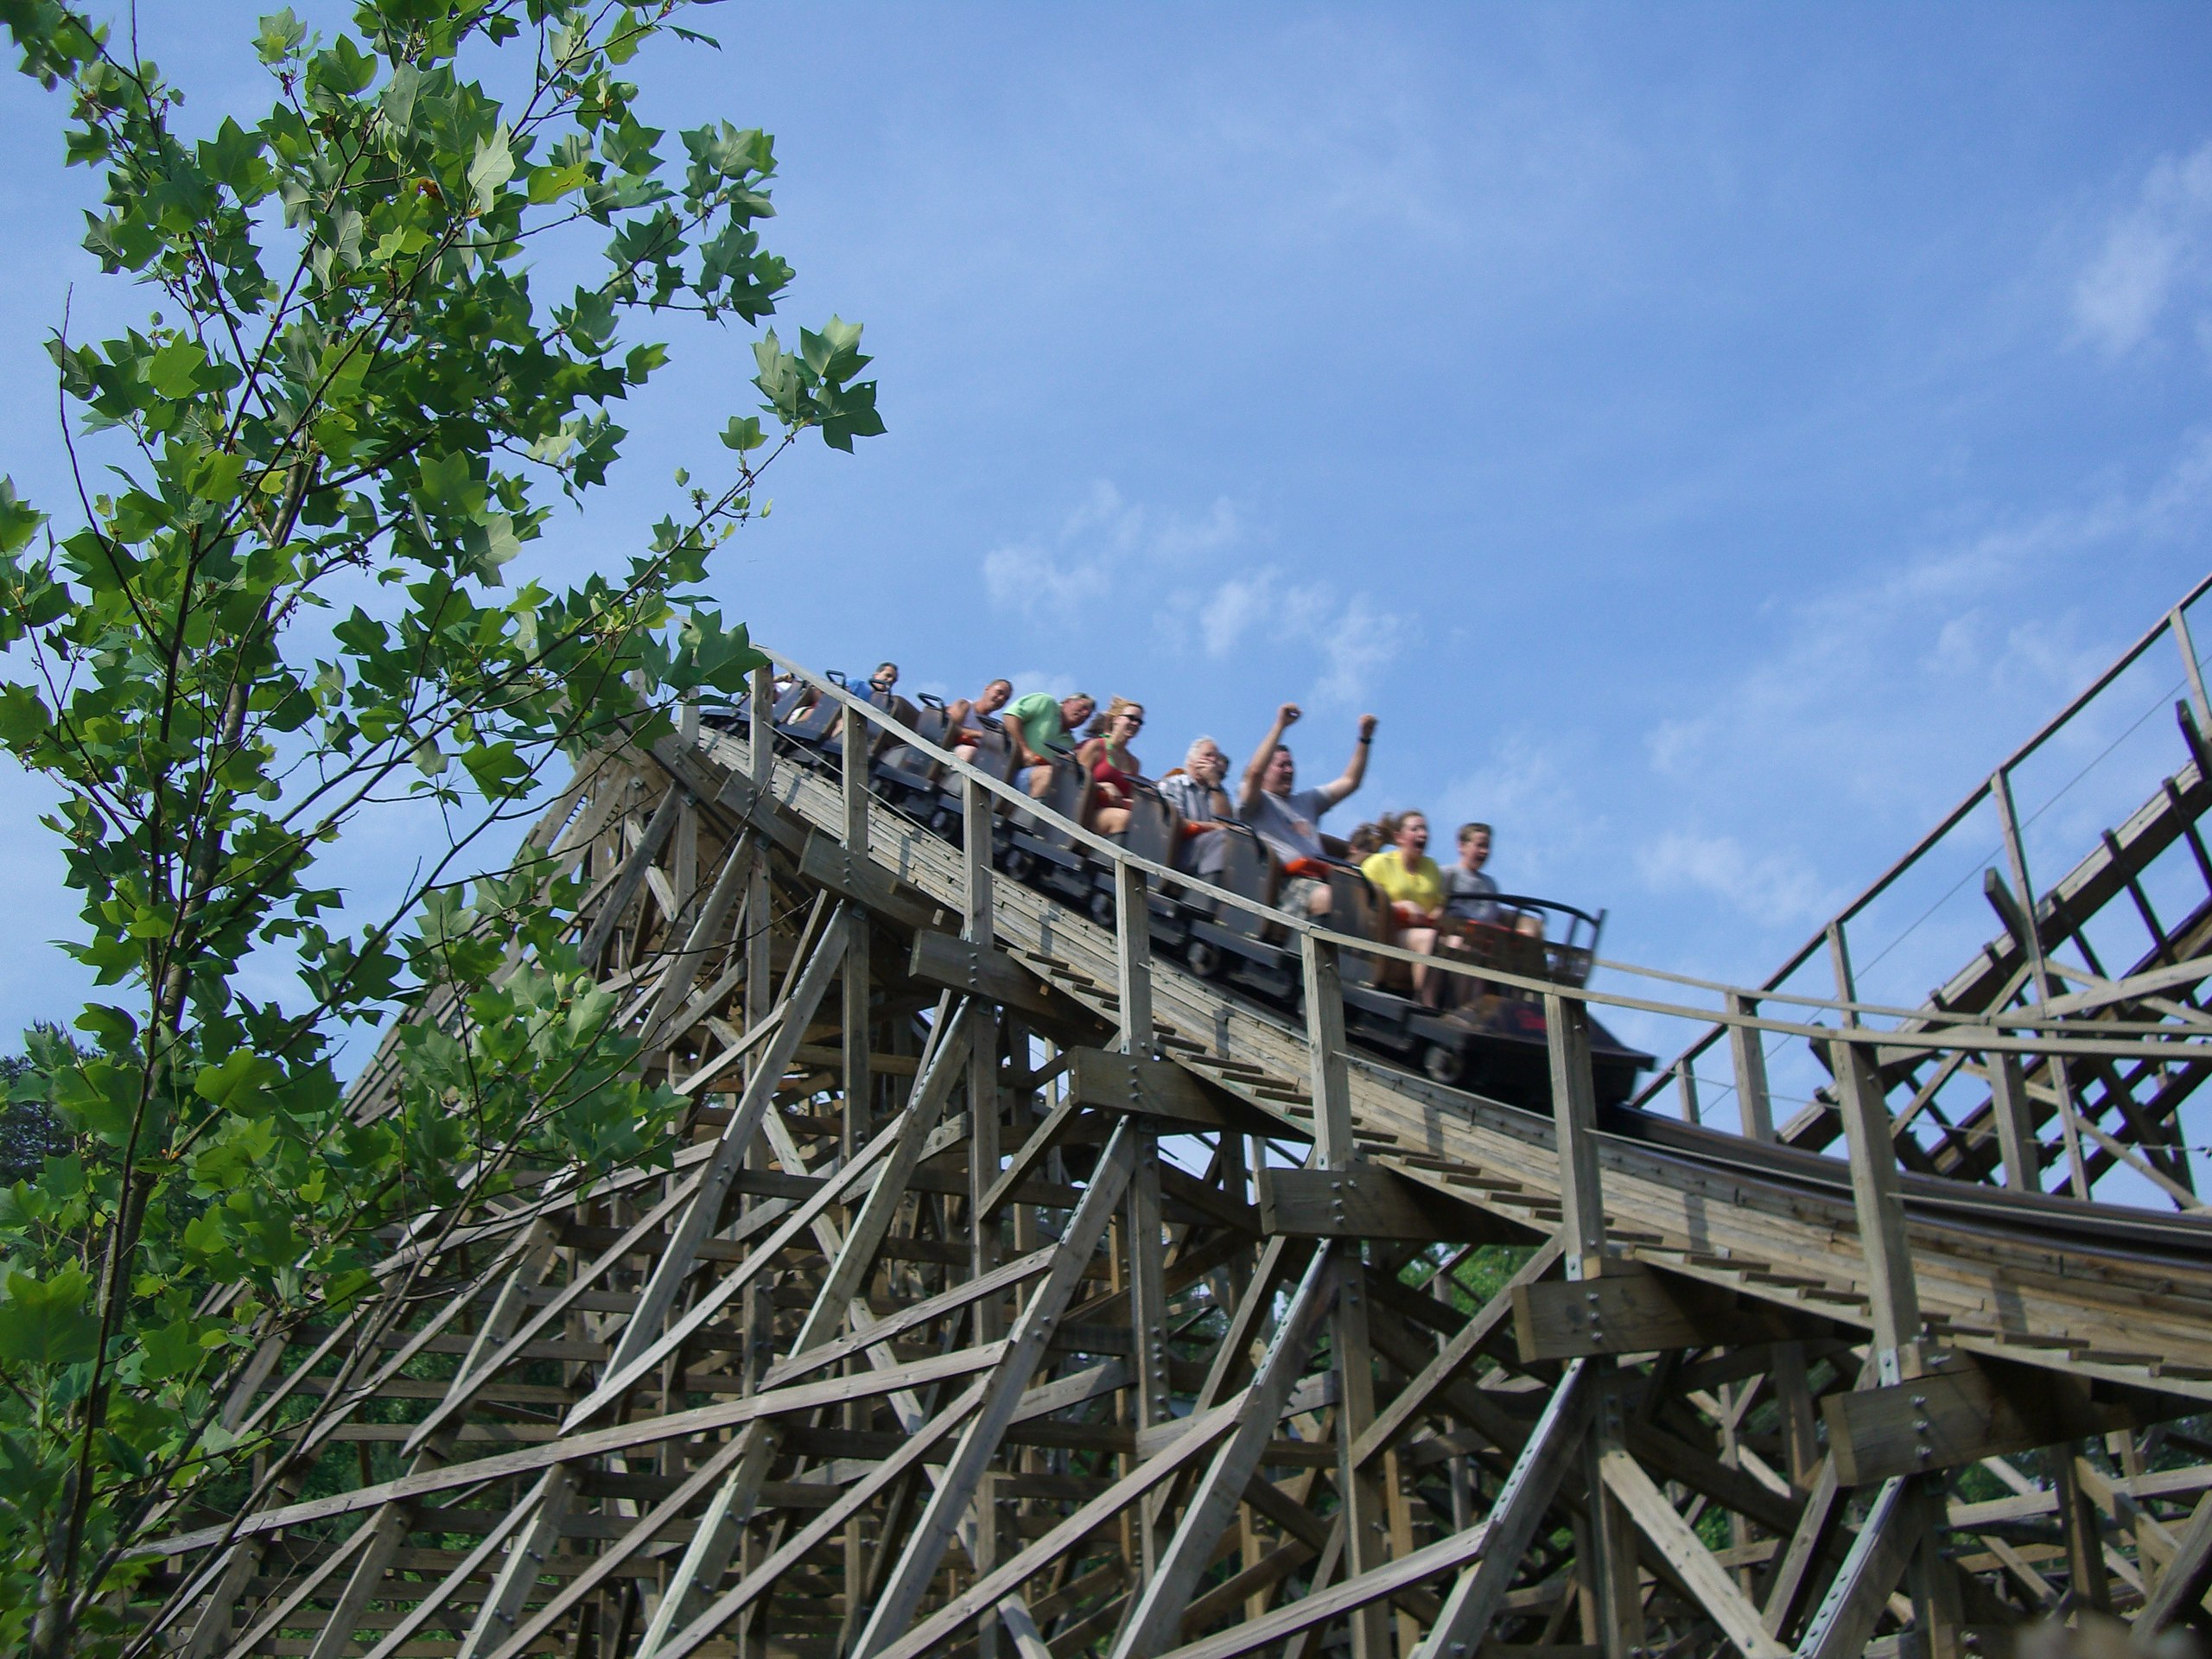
{"points": [[1755, 1106], [1880, 1206], [1686, 1089], [1364, 1516], [975, 828], [2016, 856], [1141, 1227], [760, 727], [2078, 1518], [1365, 1512], [2190, 665], [1574, 1114], [860, 1103], [1748, 1053], [2016, 1142], [983, 1056], [857, 743], [1611, 1566], [1331, 1082], [1133, 957]]}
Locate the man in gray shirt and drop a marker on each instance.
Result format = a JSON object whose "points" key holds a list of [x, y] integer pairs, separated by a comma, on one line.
{"points": [[1196, 794], [1288, 818]]}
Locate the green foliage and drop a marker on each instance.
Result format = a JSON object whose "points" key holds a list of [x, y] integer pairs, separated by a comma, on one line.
{"points": [[303, 593]]}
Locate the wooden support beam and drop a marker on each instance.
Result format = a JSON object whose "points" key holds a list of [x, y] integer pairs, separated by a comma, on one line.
{"points": [[1132, 959], [1678, 1544], [1368, 1201], [1574, 1118], [1972, 1409], [1860, 1593], [931, 1636], [1359, 1487], [633, 877], [1142, 1226], [1023, 1348], [851, 875], [1791, 1585], [1328, 1077], [1459, 1352], [1112, 1081], [547, 1506], [1479, 1592], [2183, 1584], [953, 964], [1880, 1205], [1635, 1310], [1158, 1618]]}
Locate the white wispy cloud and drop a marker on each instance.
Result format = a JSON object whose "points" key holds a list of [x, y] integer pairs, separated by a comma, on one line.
{"points": [[1773, 889], [1207, 593], [1047, 583], [2156, 252], [1529, 789]]}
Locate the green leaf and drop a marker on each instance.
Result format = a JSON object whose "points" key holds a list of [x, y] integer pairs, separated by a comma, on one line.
{"points": [[175, 370], [281, 36], [19, 520], [49, 1324], [550, 183], [492, 165], [446, 482], [743, 434]]}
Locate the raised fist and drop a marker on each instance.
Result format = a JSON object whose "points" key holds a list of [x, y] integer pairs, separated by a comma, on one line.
{"points": [[1288, 714], [1366, 727]]}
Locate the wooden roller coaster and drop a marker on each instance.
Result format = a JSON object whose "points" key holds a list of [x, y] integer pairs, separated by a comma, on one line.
{"points": [[1017, 1290]]}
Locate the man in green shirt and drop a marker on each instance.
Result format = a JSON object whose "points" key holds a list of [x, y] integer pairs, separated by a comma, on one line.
{"points": [[1039, 727]]}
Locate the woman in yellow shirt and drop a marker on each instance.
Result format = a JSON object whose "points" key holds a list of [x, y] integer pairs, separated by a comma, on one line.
{"points": [[1415, 887]]}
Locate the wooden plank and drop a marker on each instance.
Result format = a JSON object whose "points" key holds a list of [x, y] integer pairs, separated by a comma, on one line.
{"points": [[1880, 1205], [1153, 1088], [1365, 1201], [1959, 1416], [1678, 1543], [853, 876], [1860, 1594], [1014, 1364], [1574, 1119], [1420, 1392], [1522, 1503], [933, 1634], [953, 964], [1158, 1617], [1633, 1310]]}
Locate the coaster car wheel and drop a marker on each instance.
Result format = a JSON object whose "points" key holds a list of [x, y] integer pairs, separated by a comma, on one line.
{"points": [[1444, 1064], [1203, 957]]}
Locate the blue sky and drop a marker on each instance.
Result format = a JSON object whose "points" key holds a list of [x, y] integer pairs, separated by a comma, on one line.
{"points": [[1708, 437]]}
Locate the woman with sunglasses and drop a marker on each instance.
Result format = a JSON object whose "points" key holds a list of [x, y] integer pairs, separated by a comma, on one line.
{"points": [[1105, 755]]}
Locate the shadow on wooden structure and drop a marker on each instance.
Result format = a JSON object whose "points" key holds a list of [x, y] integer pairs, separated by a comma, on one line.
{"points": [[1012, 1292]]}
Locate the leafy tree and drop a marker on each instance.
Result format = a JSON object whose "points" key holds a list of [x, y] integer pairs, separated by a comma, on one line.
{"points": [[294, 588], [31, 1133]]}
